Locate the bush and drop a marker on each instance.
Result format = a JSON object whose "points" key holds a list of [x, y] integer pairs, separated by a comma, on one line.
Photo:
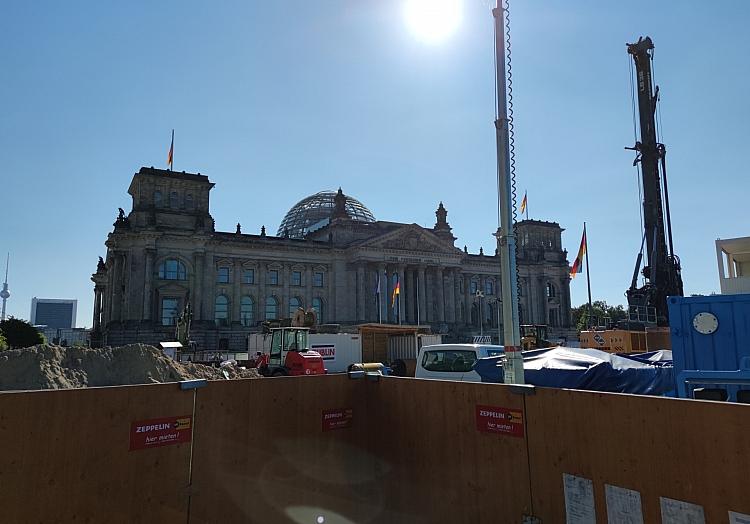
{"points": [[20, 334], [3, 342]]}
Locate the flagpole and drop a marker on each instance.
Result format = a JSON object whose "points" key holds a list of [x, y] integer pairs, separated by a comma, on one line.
{"points": [[527, 205], [588, 278], [171, 164]]}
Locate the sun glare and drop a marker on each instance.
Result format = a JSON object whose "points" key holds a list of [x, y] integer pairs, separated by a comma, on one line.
{"points": [[432, 21]]}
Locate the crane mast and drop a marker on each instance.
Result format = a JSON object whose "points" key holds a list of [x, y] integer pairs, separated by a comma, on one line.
{"points": [[648, 303]]}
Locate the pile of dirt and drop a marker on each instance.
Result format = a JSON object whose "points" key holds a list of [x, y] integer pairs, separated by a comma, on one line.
{"points": [[53, 367]]}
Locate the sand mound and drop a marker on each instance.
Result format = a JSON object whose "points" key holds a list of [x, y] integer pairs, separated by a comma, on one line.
{"points": [[54, 367]]}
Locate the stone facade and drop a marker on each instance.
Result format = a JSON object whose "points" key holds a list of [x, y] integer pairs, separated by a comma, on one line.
{"points": [[166, 252]]}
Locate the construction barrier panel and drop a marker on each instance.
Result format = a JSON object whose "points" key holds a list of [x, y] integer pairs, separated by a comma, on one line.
{"points": [[329, 449], [599, 457], [448, 451], [286, 449], [78, 455]]}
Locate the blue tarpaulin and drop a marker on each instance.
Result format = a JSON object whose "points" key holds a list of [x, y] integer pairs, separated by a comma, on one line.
{"points": [[590, 369]]}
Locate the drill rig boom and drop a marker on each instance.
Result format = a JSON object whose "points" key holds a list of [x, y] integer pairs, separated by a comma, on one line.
{"points": [[648, 303]]}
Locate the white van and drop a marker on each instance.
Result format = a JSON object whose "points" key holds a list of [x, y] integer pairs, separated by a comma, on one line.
{"points": [[453, 361]]}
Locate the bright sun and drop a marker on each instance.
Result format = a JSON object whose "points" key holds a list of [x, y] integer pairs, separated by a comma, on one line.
{"points": [[432, 20]]}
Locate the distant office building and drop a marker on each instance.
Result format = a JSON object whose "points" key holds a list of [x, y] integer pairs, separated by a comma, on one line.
{"points": [[66, 336], [53, 312]]}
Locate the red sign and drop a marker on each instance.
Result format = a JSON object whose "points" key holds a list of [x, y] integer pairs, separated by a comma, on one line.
{"points": [[337, 418], [504, 421], [158, 432]]}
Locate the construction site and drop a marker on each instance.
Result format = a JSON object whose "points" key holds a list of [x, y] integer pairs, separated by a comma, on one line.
{"points": [[642, 420]]}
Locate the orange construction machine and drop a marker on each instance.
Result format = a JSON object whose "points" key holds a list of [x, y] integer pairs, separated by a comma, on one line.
{"points": [[290, 354]]}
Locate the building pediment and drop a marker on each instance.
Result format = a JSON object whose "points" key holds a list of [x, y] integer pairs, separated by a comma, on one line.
{"points": [[410, 237]]}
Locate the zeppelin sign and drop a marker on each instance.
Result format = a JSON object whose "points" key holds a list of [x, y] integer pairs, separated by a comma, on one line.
{"points": [[158, 432], [503, 421]]}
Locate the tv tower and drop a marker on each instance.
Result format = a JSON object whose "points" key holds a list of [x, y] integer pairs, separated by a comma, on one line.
{"points": [[5, 294]]}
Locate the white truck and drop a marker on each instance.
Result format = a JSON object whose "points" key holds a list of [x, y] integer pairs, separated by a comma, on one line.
{"points": [[340, 350]]}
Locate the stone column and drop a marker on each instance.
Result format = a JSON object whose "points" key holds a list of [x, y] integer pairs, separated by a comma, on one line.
{"points": [[196, 297], [457, 299], [422, 289], [262, 270], [236, 281], [148, 277], [361, 315], [117, 284], [450, 299], [429, 310], [410, 290], [97, 308], [467, 299], [440, 287], [382, 311], [388, 280], [401, 300], [209, 287], [308, 286], [284, 305]]}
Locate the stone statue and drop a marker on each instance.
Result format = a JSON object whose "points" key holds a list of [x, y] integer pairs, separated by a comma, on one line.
{"points": [[121, 214], [100, 266], [262, 231], [239, 231], [182, 329]]}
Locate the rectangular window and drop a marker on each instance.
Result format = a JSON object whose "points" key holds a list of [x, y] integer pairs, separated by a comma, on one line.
{"points": [[222, 275], [248, 276], [169, 308], [318, 279], [489, 288], [457, 361], [473, 287], [296, 278], [273, 277]]}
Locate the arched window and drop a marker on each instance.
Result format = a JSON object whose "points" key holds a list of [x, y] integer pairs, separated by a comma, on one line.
{"points": [[174, 200], [294, 305], [157, 198], [551, 291], [221, 312], [272, 308], [188, 201], [247, 311], [317, 305], [172, 269]]}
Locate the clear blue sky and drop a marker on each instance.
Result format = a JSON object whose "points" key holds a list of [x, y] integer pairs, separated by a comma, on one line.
{"points": [[277, 100]]}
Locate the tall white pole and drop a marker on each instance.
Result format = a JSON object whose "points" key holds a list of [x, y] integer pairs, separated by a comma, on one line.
{"points": [[506, 234]]}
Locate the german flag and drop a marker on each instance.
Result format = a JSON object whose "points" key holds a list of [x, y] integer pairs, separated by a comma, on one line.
{"points": [[170, 155], [396, 292], [523, 203], [578, 262]]}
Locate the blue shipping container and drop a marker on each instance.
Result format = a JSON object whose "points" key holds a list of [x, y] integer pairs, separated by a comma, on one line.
{"points": [[718, 340]]}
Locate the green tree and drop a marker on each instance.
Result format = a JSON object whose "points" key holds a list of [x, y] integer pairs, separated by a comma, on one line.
{"points": [[20, 334], [599, 311], [3, 342]]}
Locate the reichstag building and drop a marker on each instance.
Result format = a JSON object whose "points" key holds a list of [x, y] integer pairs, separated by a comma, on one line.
{"points": [[329, 254]]}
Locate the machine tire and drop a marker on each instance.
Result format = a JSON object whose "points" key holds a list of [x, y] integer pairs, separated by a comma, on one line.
{"points": [[398, 367]]}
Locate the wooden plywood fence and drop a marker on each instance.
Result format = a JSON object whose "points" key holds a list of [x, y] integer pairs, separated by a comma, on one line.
{"points": [[395, 450], [64, 456], [688, 451]]}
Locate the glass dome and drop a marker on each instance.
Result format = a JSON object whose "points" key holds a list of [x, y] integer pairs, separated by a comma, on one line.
{"points": [[314, 212]]}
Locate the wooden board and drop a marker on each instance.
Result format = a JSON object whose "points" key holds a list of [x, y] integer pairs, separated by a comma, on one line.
{"points": [[692, 451], [436, 466], [261, 455], [65, 456]]}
